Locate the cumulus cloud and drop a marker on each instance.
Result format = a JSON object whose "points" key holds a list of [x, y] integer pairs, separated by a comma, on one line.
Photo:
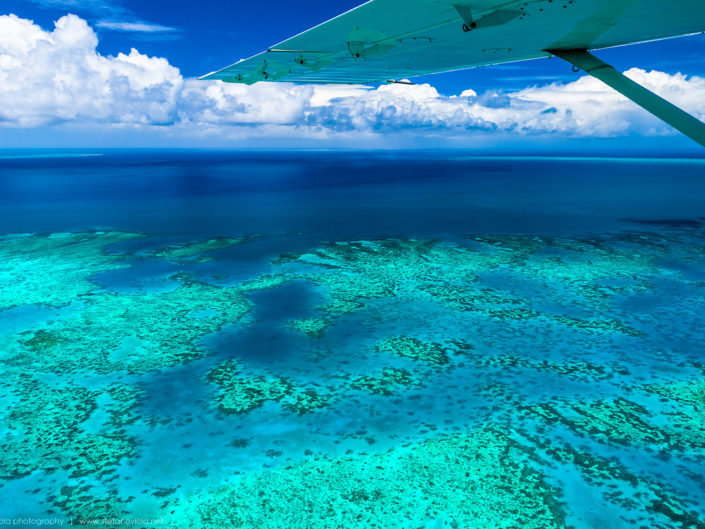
{"points": [[49, 77]]}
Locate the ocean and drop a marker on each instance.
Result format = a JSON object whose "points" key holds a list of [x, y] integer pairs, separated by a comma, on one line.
{"points": [[288, 339]]}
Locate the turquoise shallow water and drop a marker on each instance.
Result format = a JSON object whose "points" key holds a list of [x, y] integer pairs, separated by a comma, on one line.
{"points": [[310, 340]]}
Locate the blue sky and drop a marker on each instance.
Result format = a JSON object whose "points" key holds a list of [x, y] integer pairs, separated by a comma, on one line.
{"points": [[201, 37]]}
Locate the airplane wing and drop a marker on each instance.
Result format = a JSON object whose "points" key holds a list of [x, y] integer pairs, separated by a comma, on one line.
{"points": [[384, 40], [394, 39]]}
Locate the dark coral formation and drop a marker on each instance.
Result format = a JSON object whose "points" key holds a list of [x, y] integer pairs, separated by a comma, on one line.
{"points": [[239, 393], [390, 381]]}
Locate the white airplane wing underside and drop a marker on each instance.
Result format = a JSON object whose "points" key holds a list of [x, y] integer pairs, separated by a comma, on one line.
{"points": [[393, 39]]}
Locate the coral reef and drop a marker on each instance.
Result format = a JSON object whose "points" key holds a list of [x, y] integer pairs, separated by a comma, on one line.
{"points": [[193, 252], [474, 480], [314, 327], [408, 347], [355, 273], [493, 383], [113, 332], [239, 393], [54, 269], [45, 429]]}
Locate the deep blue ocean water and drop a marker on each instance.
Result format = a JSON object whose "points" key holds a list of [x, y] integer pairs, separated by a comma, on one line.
{"points": [[327, 196], [587, 296]]}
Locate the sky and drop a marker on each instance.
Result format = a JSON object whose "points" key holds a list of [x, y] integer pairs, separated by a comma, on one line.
{"points": [[120, 73]]}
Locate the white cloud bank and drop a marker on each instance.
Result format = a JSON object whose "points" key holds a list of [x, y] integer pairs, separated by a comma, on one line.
{"points": [[56, 77]]}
